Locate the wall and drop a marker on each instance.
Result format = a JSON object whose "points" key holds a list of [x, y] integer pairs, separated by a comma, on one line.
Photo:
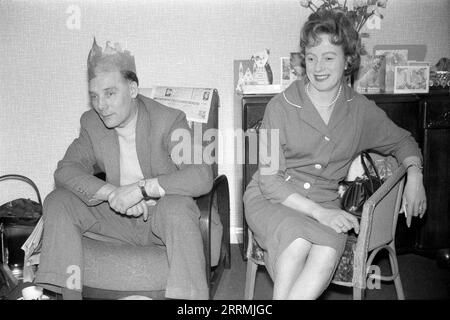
{"points": [[177, 42]]}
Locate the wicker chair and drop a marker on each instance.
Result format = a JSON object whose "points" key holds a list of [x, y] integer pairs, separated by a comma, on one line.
{"points": [[377, 232]]}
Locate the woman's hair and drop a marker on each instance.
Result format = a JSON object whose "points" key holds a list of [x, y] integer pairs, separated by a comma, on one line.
{"points": [[341, 32]]}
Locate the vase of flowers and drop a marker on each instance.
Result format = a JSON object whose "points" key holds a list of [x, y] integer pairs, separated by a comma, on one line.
{"points": [[358, 13]]}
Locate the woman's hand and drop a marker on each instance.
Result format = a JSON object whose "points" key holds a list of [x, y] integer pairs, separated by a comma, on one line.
{"points": [[336, 219], [414, 198], [339, 220]]}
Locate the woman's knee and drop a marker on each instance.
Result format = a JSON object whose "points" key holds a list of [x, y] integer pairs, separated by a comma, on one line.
{"points": [[299, 245], [324, 257], [298, 250]]}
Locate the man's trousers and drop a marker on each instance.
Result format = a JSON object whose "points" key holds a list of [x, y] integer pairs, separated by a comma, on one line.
{"points": [[173, 222]]}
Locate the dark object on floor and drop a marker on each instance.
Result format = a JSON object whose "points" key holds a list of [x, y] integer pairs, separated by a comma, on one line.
{"points": [[16, 292], [21, 211], [443, 258], [6, 284], [17, 220]]}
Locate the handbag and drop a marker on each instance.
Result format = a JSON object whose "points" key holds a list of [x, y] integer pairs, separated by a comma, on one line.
{"points": [[359, 190]]}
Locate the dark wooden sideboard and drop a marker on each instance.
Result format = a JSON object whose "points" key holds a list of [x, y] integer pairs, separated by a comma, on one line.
{"points": [[427, 117]]}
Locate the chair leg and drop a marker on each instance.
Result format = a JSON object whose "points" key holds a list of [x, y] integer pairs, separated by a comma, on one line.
{"points": [[226, 247], [358, 293], [250, 278], [396, 271], [228, 257]]}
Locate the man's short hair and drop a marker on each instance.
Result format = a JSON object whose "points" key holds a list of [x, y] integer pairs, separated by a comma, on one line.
{"points": [[130, 76]]}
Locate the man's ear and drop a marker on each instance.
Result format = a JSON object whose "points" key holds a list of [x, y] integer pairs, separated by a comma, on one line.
{"points": [[134, 90]]}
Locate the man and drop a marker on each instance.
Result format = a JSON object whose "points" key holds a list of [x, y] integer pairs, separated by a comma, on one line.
{"points": [[147, 195]]}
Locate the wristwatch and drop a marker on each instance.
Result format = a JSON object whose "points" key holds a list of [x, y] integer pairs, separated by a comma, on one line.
{"points": [[141, 184], [418, 166]]}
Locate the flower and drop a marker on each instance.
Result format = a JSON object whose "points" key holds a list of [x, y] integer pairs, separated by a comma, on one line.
{"points": [[305, 3], [382, 3], [360, 12], [360, 3]]}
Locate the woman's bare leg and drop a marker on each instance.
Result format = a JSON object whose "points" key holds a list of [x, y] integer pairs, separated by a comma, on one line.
{"points": [[288, 267], [315, 275]]}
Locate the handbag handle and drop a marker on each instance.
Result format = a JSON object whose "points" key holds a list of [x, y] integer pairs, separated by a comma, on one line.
{"points": [[24, 179], [365, 154]]}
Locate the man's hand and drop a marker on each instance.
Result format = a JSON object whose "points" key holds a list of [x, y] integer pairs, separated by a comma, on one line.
{"points": [[153, 188], [124, 197], [339, 220], [414, 198], [140, 209], [104, 192]]}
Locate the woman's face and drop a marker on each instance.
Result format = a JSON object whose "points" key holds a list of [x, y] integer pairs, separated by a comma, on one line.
{"points": [[325, 64]]}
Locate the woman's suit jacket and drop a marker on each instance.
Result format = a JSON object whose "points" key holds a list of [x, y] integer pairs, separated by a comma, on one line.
{"points": [[312, 156]]}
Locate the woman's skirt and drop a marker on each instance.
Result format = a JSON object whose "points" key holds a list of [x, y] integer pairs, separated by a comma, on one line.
{"points": [[276, 226]]}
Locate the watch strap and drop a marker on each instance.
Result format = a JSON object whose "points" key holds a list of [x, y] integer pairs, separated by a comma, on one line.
{"points": [[420, 167], [143, 191]]}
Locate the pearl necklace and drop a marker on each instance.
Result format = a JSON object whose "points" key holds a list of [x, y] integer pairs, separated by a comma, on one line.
{"points": [[329, 105]]}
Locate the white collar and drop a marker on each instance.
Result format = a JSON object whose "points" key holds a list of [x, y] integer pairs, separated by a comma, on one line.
{"points": [[129, 129]]}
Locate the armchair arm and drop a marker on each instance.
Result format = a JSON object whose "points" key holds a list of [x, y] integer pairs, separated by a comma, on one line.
{"points": [[383, 208], [387, 186], [218, 196]]}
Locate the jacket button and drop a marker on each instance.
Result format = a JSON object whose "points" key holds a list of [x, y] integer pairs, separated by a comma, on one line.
{"points": [[307, 185], [318, 166]]}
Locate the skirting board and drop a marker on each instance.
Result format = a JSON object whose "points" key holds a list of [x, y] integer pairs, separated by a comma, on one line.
{"points": [[236, 235]]}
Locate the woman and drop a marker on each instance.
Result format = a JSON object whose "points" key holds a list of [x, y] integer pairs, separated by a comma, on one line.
{"points": [[322, 124]]}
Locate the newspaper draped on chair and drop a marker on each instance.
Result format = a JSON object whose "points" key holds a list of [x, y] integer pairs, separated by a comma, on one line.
{"points": [[194, 102], [32, 250]]}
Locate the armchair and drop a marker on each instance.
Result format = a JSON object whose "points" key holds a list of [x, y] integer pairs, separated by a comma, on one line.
{"points": [[116, 270], [143, 270], [113, 271]]}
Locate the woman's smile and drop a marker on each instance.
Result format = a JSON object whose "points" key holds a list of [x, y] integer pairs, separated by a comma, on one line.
{"points": [[321, 77]]}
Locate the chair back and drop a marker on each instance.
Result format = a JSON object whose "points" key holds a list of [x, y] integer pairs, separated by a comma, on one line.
{"points": [[201, 106], [380, 212]]}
